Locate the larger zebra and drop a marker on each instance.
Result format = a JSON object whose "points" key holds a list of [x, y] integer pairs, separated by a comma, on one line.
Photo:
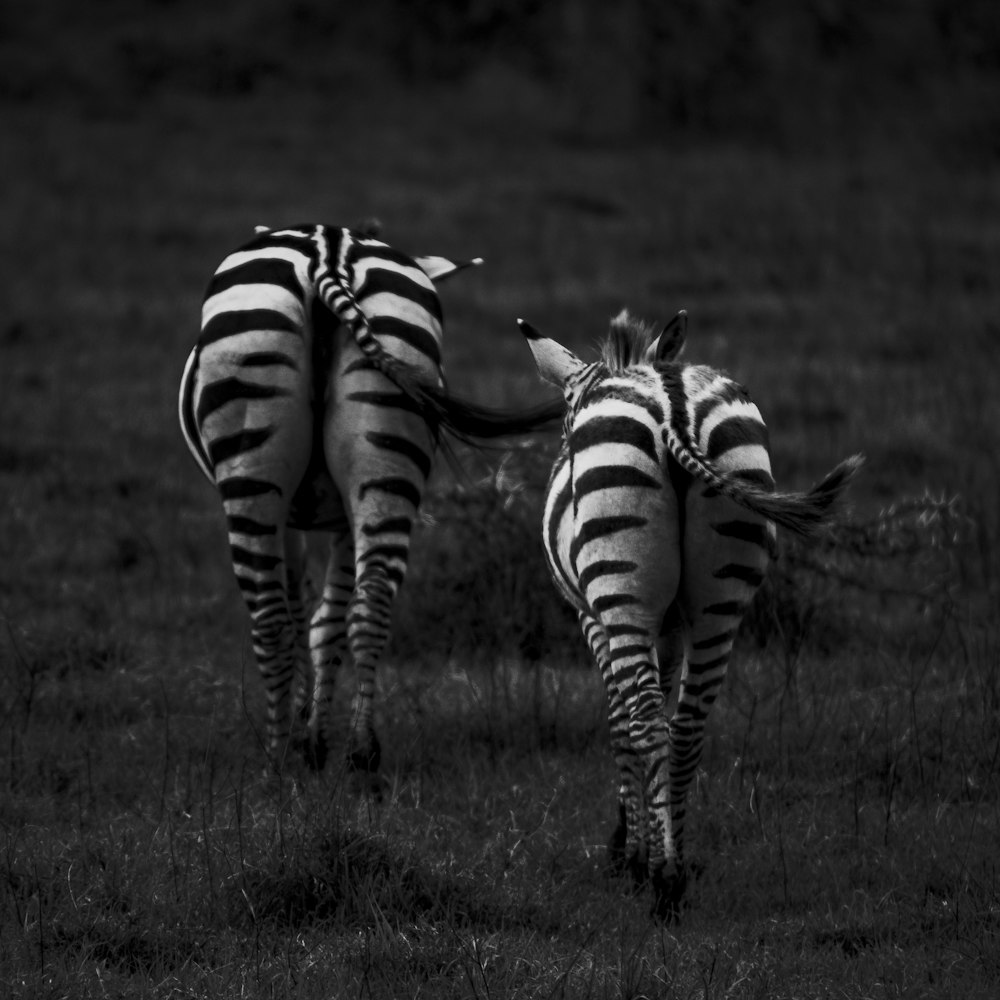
{"points": [[658, 527], [313, 399]]}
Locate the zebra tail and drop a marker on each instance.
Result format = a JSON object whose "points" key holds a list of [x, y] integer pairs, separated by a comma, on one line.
{"points": [[803, 513], [462, 419], [473, 423]]}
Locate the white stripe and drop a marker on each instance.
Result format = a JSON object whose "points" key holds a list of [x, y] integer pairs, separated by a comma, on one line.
{"points": [[296, 257], [613, 407], [744, 457], [389, 304], [243, 297]]}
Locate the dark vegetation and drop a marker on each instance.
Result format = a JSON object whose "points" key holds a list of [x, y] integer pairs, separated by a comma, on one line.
{"points": [[817, 184]]}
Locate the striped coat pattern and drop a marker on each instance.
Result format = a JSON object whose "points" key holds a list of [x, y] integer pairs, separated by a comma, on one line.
{"points": [[314, 399], [658, 527]]}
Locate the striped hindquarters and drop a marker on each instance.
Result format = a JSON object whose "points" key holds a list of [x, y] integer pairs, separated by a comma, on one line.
{"points": [[609, 502], [253, 349]]}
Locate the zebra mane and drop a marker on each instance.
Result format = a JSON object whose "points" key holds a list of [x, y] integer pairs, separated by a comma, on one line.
{"points": [[627, 341]]}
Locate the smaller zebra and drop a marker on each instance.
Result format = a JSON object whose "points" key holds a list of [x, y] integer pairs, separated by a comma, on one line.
{"points": [[658, 527]]}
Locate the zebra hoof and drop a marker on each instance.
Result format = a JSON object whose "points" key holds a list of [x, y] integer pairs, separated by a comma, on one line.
{"points": [[668, 891]]}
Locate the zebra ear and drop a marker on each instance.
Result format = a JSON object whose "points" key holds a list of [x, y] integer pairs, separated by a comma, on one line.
{"points": [[439, 268], [670, 343], [555, 363]]}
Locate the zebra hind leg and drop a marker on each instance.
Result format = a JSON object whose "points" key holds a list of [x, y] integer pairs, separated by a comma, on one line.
{"points": [[302, 597], [259, 563], [626, 847], [368, 620], [328, 646]]}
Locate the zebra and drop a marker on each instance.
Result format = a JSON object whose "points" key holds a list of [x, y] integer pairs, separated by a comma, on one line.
{"points": [[658, 527], [313, 399]]}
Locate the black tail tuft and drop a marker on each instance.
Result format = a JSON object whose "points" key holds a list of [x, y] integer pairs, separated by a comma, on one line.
{"points": [[804, 513]]}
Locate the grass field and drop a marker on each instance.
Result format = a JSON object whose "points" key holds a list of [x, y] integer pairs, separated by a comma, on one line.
{"points": [[845, 823]]}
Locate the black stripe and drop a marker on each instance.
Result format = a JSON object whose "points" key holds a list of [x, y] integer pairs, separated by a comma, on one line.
{"points": [[253, 560], [606, 602], [725, 608], [745, 531], [242, 487], [734, 432], [631, 394], [606, 477], [264, 359], [217, 394], [613, 631], [224, 448], [412, 334], [601, 527], [233, 322], [604, 567], [710, 665], [716, 640], [398, 525], [402, 446], [257, 271], [395, 485], [613, 430], [695, 689], [249, 584], [750, 575], [386, 553], [725, 393], [248, 526], [633, 649], [382, 282], [390, 400]]}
